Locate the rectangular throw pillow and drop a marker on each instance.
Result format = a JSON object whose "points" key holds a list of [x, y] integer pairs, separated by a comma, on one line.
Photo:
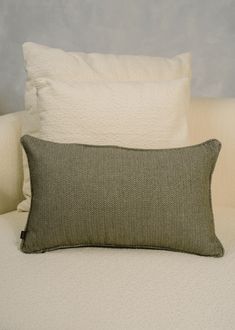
{"points": [[45, 62], [108, 196]]}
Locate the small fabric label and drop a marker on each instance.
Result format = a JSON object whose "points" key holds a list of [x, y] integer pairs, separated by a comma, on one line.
{"points": [[23, 234]]}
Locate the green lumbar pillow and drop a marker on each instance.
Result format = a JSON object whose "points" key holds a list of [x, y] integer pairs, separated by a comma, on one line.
{"points": [[107, 196]]}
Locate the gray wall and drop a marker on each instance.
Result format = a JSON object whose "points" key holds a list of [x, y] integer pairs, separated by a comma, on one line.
{"points": [[154, 27]]}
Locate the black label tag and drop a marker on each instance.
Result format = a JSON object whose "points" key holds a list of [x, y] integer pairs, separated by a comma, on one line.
{"points": [[23, 234]]}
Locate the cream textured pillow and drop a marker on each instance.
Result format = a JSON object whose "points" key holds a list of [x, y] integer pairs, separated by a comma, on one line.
{"points": [[45, 62], [146, 115]]}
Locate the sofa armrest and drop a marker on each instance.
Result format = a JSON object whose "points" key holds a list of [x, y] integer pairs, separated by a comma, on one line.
{"points": [[11, 171]]}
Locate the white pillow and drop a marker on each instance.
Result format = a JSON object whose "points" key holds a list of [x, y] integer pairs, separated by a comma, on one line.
{"points": [[131, 114], [45, 62]]}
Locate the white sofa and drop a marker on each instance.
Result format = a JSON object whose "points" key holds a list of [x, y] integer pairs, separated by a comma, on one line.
{"points": [[93, 288]]}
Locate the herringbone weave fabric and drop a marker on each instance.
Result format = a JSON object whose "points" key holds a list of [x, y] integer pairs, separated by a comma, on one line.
{"points": [[85, 195]]}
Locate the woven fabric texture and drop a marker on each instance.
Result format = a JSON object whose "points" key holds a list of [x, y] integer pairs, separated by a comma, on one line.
{"points": [[84, 195], [148, 115]]}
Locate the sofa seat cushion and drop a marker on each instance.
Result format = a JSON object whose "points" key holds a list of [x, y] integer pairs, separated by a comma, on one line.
{"points": [[103, 288]]}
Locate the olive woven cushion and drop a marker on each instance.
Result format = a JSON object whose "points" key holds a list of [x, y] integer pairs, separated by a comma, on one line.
{"points": [[106, 196]]}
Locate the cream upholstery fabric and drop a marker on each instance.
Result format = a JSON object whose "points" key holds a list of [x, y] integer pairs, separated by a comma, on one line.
{"points": [[10, 162], [215, 118], [120, 289], [56, 64], [113, 289]]}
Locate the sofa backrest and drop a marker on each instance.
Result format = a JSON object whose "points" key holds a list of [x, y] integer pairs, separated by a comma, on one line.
{"points": [[215, 118], [208, 118]]}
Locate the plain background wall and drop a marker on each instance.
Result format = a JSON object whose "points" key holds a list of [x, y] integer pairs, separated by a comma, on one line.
{"points": [[150, 27]]}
